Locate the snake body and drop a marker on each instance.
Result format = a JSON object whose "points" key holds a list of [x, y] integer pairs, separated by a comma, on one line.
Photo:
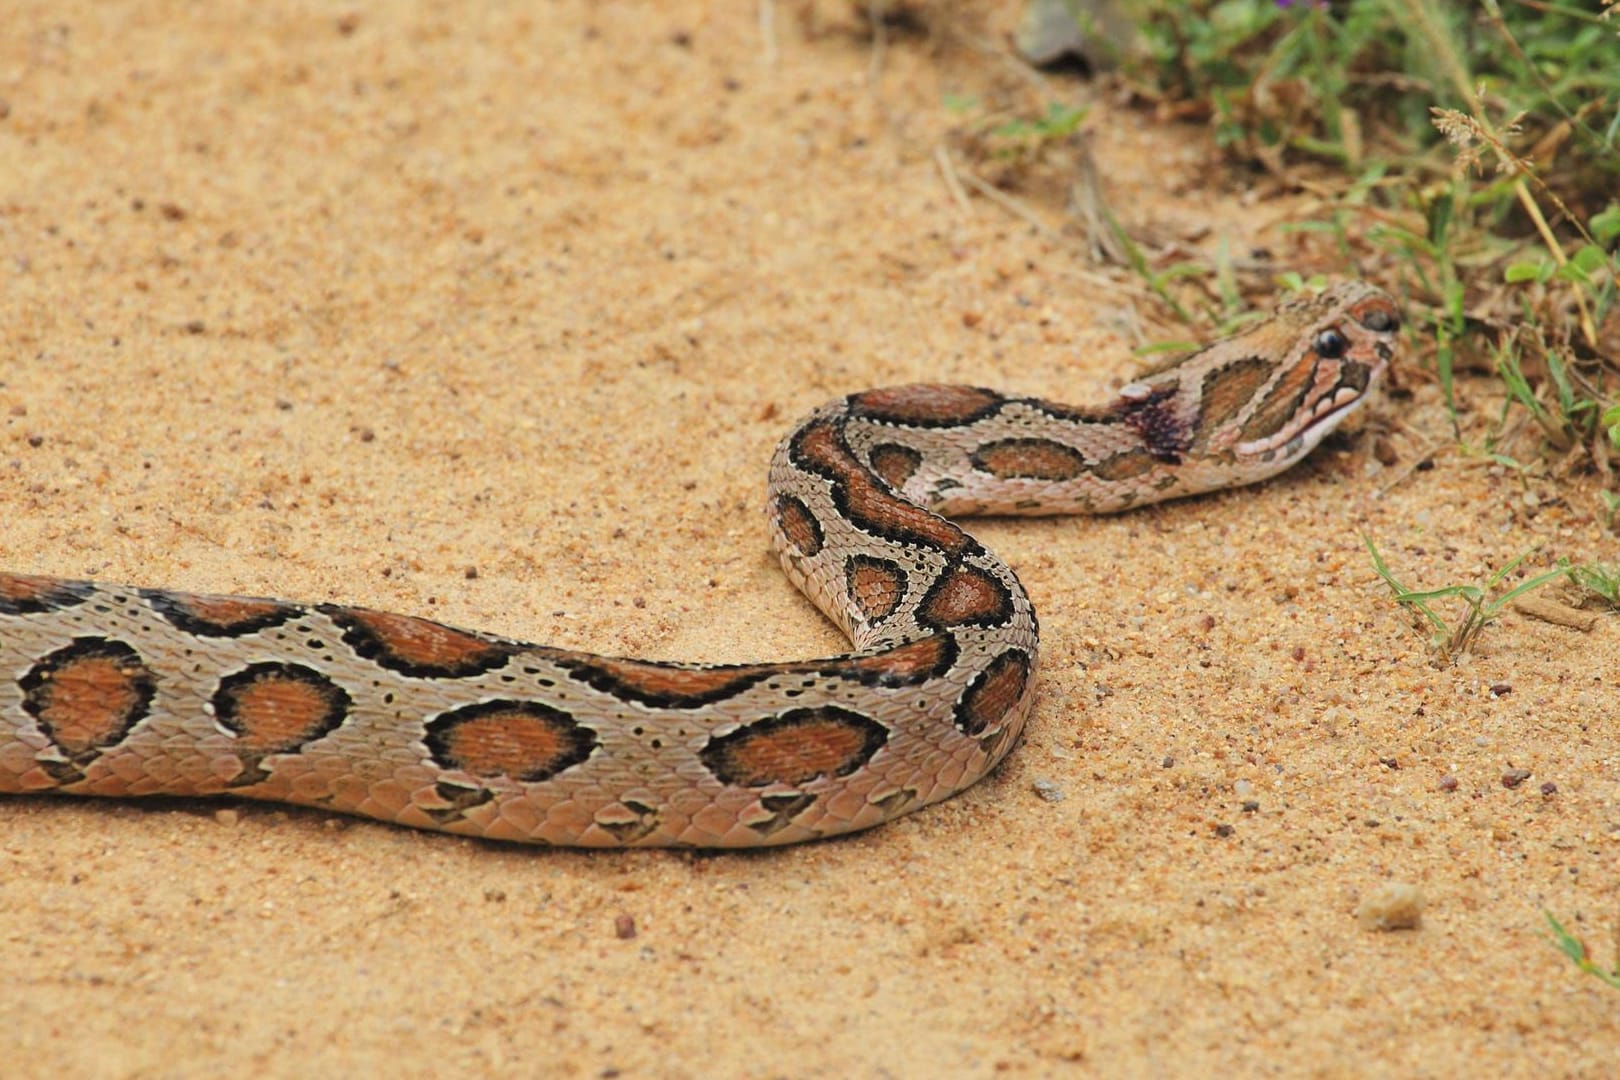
{"points": [[120, 691]]}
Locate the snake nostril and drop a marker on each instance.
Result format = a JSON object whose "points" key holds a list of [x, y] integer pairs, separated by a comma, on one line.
{"points": [[1381, 320]]}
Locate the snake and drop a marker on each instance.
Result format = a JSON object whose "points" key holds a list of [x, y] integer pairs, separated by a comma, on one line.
{"points": [[123, 691]]}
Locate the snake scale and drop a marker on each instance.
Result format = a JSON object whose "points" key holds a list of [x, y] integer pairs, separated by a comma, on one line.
{"points": [[122, 691]]}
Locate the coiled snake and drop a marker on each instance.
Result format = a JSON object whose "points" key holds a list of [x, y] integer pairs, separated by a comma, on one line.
{"points": [[120, 691]]}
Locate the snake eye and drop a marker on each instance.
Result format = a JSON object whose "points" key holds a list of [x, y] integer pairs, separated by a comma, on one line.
{"points": [[1330, 345]]}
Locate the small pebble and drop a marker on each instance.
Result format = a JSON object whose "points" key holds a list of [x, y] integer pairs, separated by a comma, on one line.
{"points": [[1223, 831], [1047, 790], [1447, 783], [624, 927], [1514, 777], [1549, 789], [1394, 905], [227, 816], [1501, 689]]}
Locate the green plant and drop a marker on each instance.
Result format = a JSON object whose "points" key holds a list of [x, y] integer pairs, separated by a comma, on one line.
{"points": [[1598, 580], [1574, 948], [1059, 121], [1331, 81], [1010, 137], [1562, 297], [1480, 606], [1481, 149], [1611, 508]]}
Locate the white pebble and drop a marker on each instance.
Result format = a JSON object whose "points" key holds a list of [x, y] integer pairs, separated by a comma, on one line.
{"points": [[1394, 905]]}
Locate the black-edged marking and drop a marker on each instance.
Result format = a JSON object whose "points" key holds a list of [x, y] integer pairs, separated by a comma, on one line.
{"points": [[276, 708], [794, 748], [679, 686], [799, 525], [993, 692], [219, 616], [866, 500], [25, 594], [877, 587], [965, 595], [904, 665], [86, 697], [666, 686], [420, 648], [894, 463], [926, 405], [1126, 465], [1028, 459], [520, 740]]}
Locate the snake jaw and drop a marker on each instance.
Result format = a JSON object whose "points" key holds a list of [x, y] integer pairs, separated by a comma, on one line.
{"points": [[1320, 414]]}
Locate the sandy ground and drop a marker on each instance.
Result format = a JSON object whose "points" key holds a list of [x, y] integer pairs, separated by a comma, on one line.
{"points": [[335, 303]]}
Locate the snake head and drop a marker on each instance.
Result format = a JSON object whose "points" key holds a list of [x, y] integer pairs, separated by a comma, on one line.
{"points": [[1249, 406], [1342, 341], [1268, 396]]}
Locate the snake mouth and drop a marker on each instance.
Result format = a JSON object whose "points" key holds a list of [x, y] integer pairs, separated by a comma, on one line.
{"points": [[1330, 409], [1335, 407], [1348, 395]]}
